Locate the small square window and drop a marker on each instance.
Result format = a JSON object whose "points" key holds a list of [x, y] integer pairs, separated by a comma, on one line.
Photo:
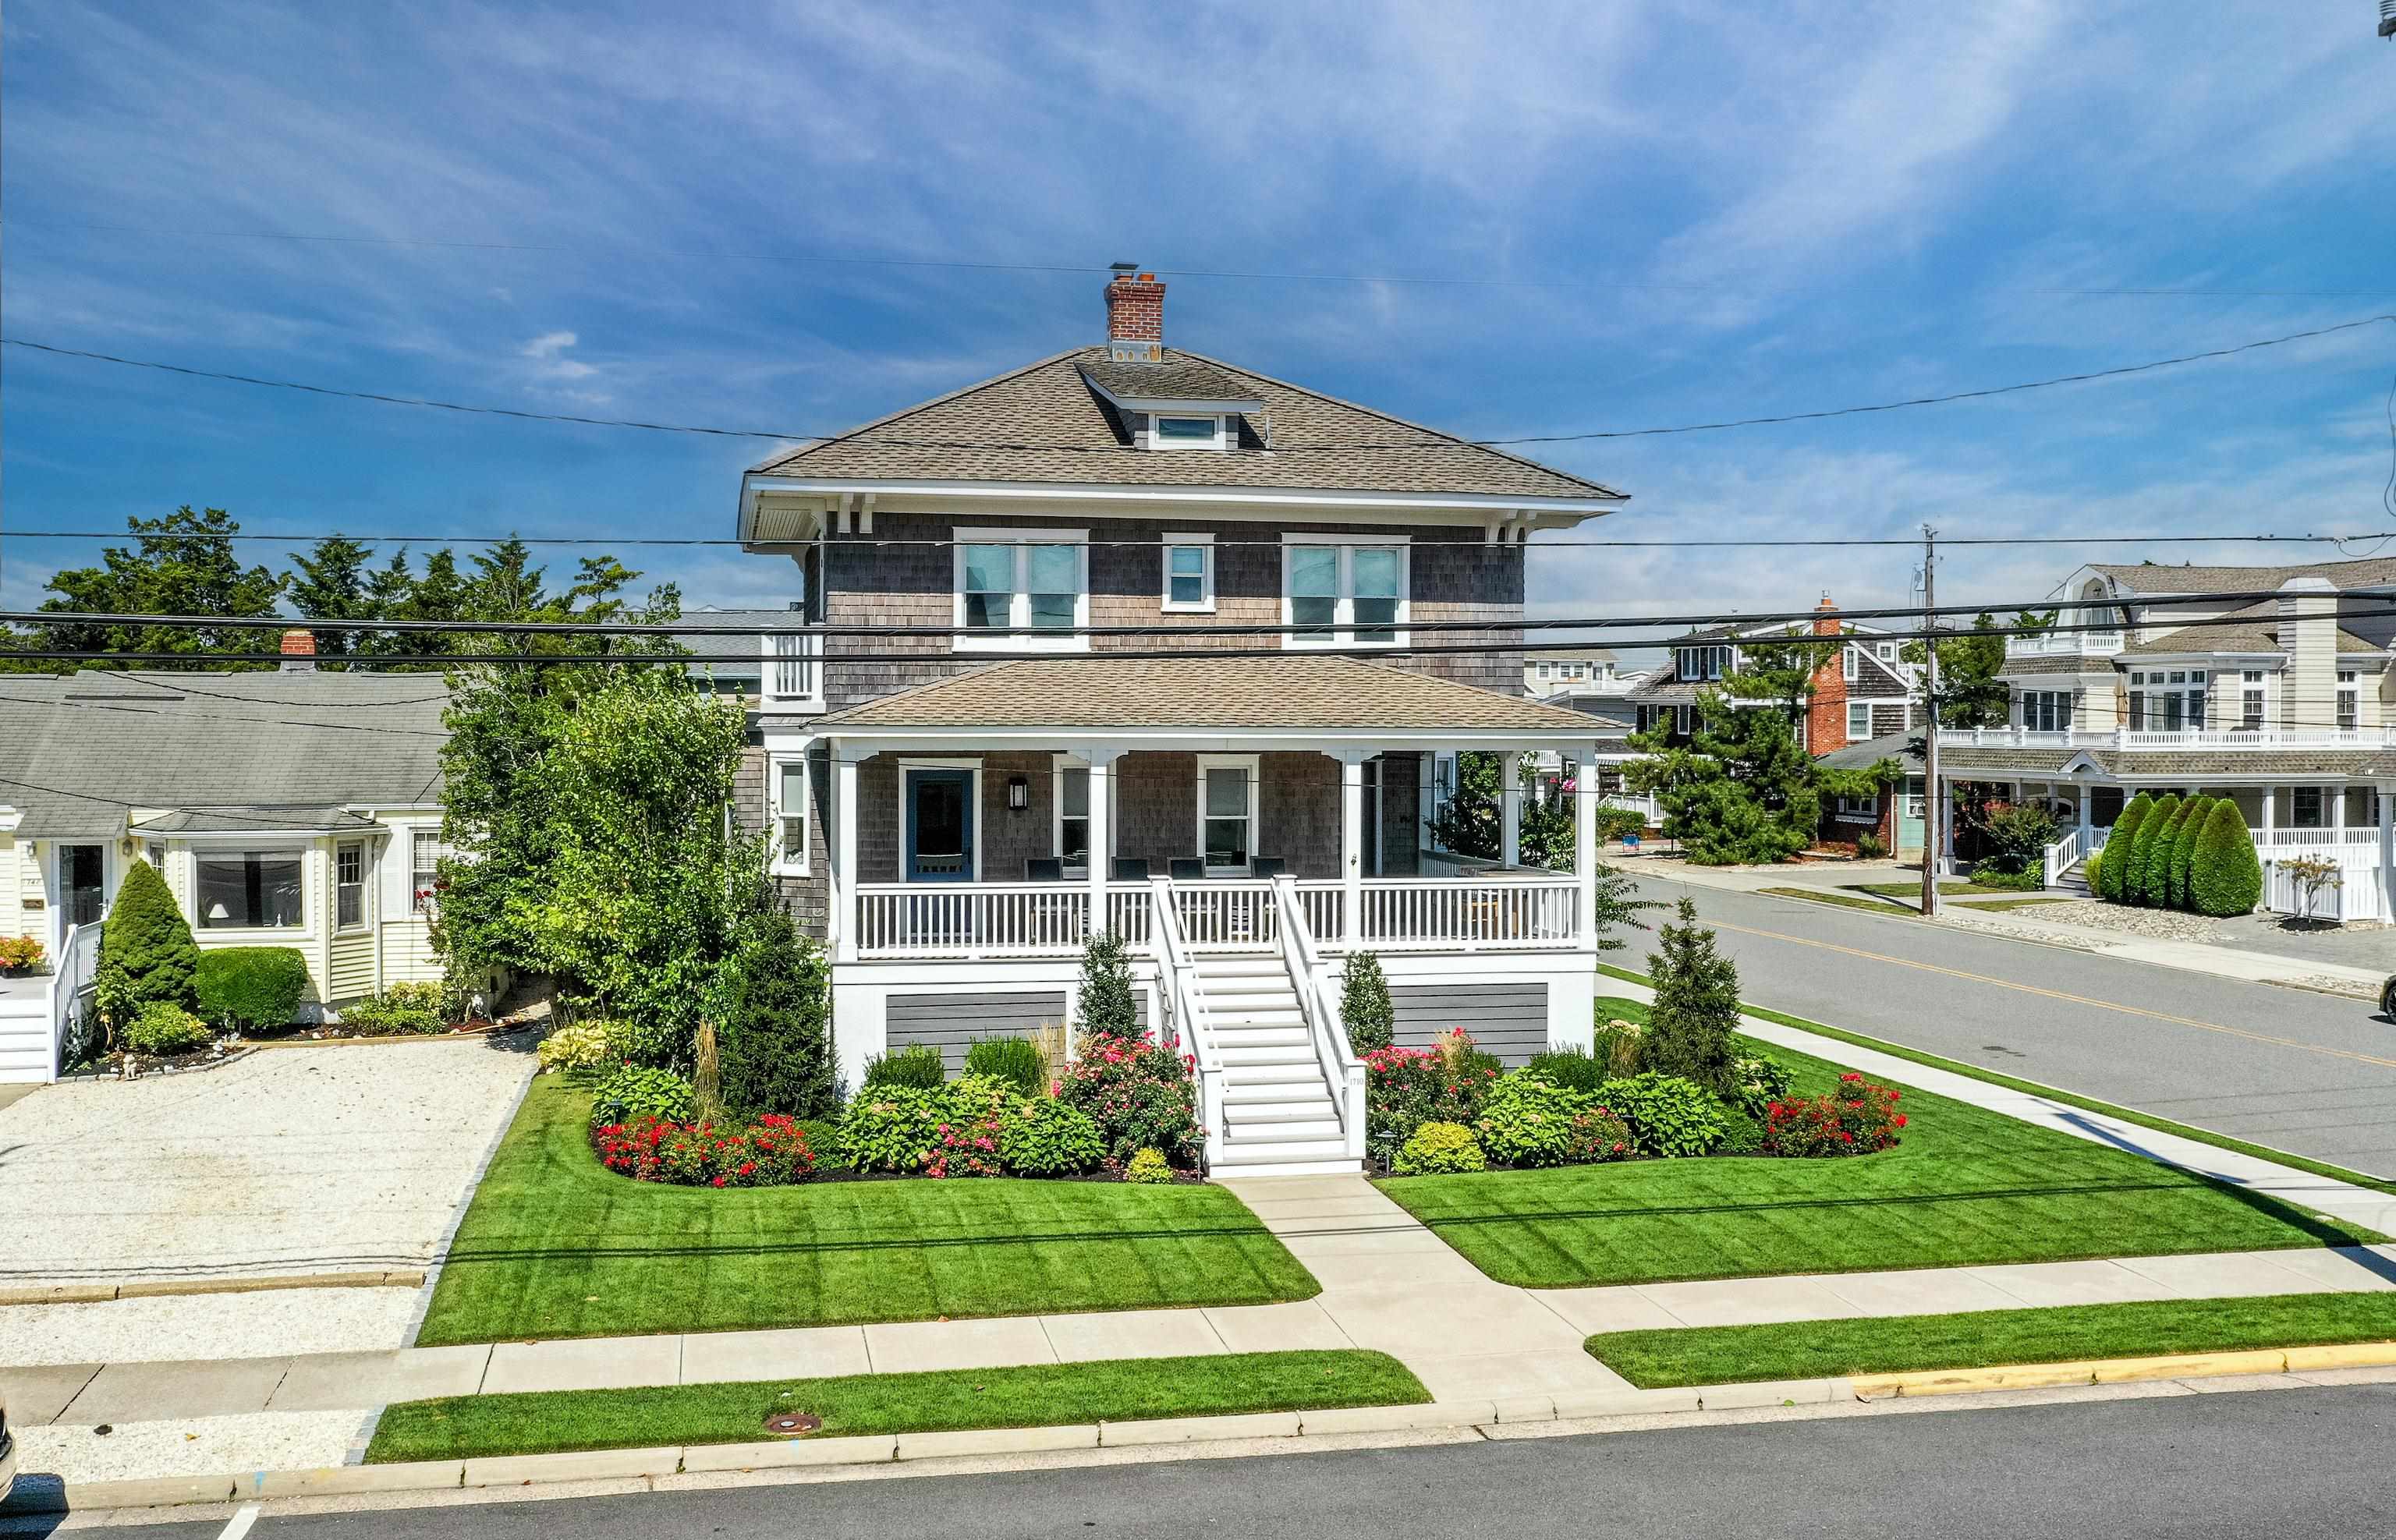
{"points": [[1189, 573]]}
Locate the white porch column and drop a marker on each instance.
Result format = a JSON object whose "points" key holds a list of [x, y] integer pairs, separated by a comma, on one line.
{"points": [[2335, 797], [1510, 808], [2087, 794], [1351, 846], [2270, 801], [842, 915], [1103, 835], [1585, 850], [2386, 796]]}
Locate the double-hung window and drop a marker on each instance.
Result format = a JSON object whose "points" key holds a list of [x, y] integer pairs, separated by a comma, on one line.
{"points": [[1847, 656], [427, 852], [1189, 574], [1859, 720], [1033, 581], [1226, 810], [1354, 591], [2350, 701], [786, 813], [350, 885], [2250, 700]]}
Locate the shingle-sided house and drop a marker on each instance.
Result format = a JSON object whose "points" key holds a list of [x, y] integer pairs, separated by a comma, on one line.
{"points": [[2177, 679], [292, 808], [958, 813]]}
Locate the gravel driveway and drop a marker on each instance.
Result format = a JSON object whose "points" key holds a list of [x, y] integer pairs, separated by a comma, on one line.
{"points": [[302, 1160]]}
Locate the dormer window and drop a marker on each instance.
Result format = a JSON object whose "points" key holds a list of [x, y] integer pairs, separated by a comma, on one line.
{"points": [[1703, 663], [1189, 429]]}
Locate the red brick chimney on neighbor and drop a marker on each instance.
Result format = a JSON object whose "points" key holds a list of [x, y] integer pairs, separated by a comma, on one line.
{"points": [[1135, 315], [1826, 718], [298, 652]]}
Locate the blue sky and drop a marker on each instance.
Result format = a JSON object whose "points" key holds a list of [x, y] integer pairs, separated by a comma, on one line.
{"points": [[1681, 211]]}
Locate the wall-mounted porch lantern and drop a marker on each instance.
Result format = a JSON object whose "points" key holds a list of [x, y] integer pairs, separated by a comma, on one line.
{"points": [[1019, 794]]}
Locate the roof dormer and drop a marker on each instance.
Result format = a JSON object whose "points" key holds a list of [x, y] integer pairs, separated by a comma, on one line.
{"points": [[1165, 402]]}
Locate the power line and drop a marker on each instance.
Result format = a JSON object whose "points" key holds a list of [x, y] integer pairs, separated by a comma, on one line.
{"points": [[817, 440]]}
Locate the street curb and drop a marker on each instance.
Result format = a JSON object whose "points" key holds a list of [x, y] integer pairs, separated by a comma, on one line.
{"points": [[2022, 1376], [154, 1288]]}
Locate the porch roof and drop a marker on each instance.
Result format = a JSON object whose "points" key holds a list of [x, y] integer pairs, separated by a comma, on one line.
{"points": [[256, 820], [1093, 692]]}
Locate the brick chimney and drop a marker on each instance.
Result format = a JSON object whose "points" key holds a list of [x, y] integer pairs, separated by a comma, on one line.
{"points": [[298, 652], [1825, 719], [1135, 315]]}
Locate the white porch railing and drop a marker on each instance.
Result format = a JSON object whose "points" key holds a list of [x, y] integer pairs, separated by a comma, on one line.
{"points": [[70, 991], [1185, 1020], [1343, 1072], [2094, 644], [1239, 915], [2199, 738], [970, 918], [2313, 839], [1450, 913], [2076, 845]]}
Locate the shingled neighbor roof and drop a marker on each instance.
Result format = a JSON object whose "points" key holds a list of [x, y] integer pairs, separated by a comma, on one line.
{"points": [[79, 753], [1199, 692], [2261, 634], [1867, 752], [1179, 378], [2147, 764], [2146, 579], [1043, 423], [2056, 663]]}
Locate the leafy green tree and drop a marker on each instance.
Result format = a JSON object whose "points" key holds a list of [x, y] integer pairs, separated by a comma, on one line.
{"points": [[1970, 692], [2146, 885], [146, 951], [774, 1042], [182, 563], [2226, 876], [1365, 1007], [1106, 1003], [2183, 855], [2120, 845], [330, 583], [1695, 1010]]}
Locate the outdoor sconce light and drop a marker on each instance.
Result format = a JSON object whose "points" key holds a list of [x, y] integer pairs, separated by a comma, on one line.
{"points": [[1019, 794]]}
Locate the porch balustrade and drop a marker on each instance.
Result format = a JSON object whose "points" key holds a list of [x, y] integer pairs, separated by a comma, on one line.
{"points": [[2201, 737]]}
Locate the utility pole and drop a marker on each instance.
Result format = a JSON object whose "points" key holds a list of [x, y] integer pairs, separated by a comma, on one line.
{"points": [[1932, 802]]}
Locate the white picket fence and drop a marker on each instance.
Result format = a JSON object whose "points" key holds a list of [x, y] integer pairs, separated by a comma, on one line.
{"points": [[2358, 895]]}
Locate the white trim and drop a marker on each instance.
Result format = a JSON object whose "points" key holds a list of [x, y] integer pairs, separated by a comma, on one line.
{"points": [[806, 653], [1018, 610], [867, 741], [1847, 656], [973, 801], [1251, 769], [306, 930], [366, 888], [1155, 439], [1866, 707], [1166, 602], [779, 858], [1057, 764], [1343, 609]]}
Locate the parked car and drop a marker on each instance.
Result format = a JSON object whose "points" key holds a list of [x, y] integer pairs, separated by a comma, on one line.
{"points": [[8, 1457]]}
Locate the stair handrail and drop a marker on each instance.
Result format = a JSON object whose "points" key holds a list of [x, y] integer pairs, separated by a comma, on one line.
{"points": [[1343, 1072], [1177, 980]]}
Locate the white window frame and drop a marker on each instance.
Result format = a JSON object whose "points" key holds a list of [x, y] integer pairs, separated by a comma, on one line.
{"points": [[973, 795], [1343, 615], [1854, 706], [1157, 439], [1884, 651], [1859, 809], [782, 860], [1847, 662], [1018, 611], [302, 852], [420, 899], [2254, 685], [343, 848], [1703, 654], [2350, 699], [1251, 769], [782, 653], [2066, 708], [1205, 604]]}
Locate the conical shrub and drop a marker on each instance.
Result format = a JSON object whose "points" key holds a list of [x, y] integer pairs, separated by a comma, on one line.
{"points": [[146, 951], [2192, 815], [2226, 876], [2152, 834], [2120, 850]]}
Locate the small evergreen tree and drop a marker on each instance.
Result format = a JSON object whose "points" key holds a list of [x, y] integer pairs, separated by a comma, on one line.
{"points": [[1695, 1011], [2191, 824], [1365, 1008], [1107, 1001], [2226, 876], [2119, 851], [2142, 884], [774, 1046], [146, 951]]}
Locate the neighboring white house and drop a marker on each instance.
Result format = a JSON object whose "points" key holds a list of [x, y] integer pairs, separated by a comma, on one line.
{"points": [[293, 808], [1595, 671]]}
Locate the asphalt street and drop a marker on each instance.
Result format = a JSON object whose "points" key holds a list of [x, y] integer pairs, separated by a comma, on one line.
{"points": [[2307, 1072], [2290, 1464]]}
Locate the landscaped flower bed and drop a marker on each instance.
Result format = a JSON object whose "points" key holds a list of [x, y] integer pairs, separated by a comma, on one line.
{"points": [[770, 1152]]}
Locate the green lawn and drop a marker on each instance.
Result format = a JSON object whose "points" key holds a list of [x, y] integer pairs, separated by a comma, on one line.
{"points": [[1844, 900], [1811, 1349], [555, 1246], [1949, 889], [2000, 905], [1966, 1187], [1114, 1390]]}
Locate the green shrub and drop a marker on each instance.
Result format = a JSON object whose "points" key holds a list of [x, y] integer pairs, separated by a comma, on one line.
{"points": [[1762, 1082], [1529, 1122], [1138, 1092], [578, 1050], [419, 1007], [1621, 1046], [1439, 1149], [2121, 847], [251, 989], [1871, 847], [2029, 878], [2017, 835], [2226, 877], [774, 1042], [161, 1028], [1669, 1115], [1107, 1001], [890, 1126], [2091, 872], [1365, 1008], [1571, 1067], [1742, 1134], [823, 1137], [1148, 1165], [146, 951], [2145, 883], [1017, 1060], [1695, 1009], [1619, 823], [2183, 855], [1049, 1138], [631, 1092], [1407, 1087], [974, 1113], [915, 1064], [651, 1044]]}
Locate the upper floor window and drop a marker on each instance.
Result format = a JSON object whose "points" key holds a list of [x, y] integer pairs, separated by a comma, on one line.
{"points": [[1847, 657], [1702, 663], [2350, 700], [2046, 710], [1189, 574], [1886, 651], [1859, 720], [786, 812], [2250, 700], [1033, 581], [1189, 431], [1356, 590], [2167, 700]]}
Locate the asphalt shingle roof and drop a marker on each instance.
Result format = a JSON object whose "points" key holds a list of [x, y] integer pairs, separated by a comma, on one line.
{"points": [[2149, 579], [1199, 692], [1043, 423], [1870, 751], [1179, 376], [2261, 634]]}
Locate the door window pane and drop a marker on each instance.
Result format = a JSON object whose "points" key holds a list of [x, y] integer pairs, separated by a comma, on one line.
{"points": [[1227, 815], [1053, 576], [249, 890], [990, 584], [1313, 585], [1375, 575]]}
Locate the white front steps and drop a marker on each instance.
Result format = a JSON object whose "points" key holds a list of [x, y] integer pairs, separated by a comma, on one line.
{"points": [[1279, 1115]]}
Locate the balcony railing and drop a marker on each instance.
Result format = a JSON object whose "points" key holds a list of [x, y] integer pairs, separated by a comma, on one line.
{"points": [[2201, 737], [2094, 644]]}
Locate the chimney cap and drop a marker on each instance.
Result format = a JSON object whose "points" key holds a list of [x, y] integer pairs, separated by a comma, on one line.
{"points": [[1122, 269]]}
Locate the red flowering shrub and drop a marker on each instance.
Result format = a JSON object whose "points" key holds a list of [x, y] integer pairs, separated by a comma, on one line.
{"points": [[1405, 1088], [1138, 1092], [965, 1142], [770, 1152], [1858, 1119]]}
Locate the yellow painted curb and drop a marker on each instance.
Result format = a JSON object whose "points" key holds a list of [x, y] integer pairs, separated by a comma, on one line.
{"points": [[2021, 1376]]}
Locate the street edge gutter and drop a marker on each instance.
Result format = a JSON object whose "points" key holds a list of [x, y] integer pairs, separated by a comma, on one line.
{"points": [[151, 1288], [1505, 1417], [2069, 1098]]}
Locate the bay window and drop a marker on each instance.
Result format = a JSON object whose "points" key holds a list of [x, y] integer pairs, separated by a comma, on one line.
{"points": [[1355, 590], [249, 889], [1033, 581]]}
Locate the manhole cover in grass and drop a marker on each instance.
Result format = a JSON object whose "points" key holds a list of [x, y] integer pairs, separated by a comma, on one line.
{"points": [[793, 1423]]}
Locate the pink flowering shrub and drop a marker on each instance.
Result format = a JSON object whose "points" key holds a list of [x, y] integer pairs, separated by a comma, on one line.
{"points": [[770, 1152], [1138, 1092], [1858, 1119], [1407, 1087]]}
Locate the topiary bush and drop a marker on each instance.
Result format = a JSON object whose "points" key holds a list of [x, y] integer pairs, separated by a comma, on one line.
{"points": [[251, 989], [1049, 1138], [2121, 846], [1148, 1165], [774, 1034], [912, 1063], [1017, 1060], [1667, 1115], [2226, 876], [1107, 1003], [146, 951], [1695, 1009], [1439, 1149], [162, 1027], [1365, 1007], [2193, 816], [631, 1092], [2152, 853]]}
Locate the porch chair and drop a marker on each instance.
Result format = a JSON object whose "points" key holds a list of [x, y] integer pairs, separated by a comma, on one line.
{"points": [[1186, 868], [1131, 869], [1268, 867], [1043, 869]]}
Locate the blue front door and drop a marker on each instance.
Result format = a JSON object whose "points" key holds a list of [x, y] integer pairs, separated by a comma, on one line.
{"points": [[939, 826]]}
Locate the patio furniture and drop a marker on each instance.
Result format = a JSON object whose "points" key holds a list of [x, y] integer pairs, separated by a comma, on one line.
{"points": [[1268, 867], [1131, 869], [1186, 868], [1043, 869]]}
